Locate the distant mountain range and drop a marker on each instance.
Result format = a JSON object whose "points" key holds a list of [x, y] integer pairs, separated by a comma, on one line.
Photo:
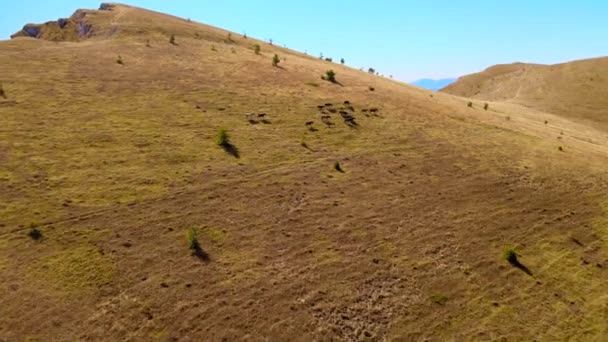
{"points": [[434, 84]]}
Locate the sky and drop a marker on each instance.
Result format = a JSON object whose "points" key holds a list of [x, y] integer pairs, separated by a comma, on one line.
{"points": [[407, 39]]}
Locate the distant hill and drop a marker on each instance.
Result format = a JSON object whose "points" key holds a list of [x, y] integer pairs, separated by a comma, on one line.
{"points": [[575, 89], [431, 84]]}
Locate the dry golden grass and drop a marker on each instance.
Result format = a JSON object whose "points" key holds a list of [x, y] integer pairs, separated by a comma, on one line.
{"points": [[574, 89], [116, 163]]}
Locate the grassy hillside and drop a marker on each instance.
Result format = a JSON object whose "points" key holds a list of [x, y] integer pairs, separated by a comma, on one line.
{"points": [[391, 225], [576, 89]]}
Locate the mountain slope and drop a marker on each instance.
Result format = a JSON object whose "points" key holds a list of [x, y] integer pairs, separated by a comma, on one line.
{"points": [[576, 89], [115, 162]]}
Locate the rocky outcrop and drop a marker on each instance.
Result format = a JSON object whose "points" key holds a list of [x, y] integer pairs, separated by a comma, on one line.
{"points": [[106, 7], [74, 28]]}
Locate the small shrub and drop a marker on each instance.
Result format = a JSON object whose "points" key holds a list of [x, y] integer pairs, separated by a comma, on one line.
{"points": [[508, 118], [470, 104], [148, 43], [232, 50], [546, 122], [338, 167], [510, 255], [371, 88], [561, 149], [371, 71], [119, 60], [192, 238], [257, 49], [2, 93], [244, 35], [172, 39], [276, 60], [439, 298], [230, 38], [313, 84], [270, 41], [213, 48], [328, 59], [223, 139], [330, 76], [34, 232], [486, 106], [342, 61]]}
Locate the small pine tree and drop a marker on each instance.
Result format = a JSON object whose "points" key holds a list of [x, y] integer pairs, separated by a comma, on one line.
{"points": [[257, 49], [330, 76], [172, 39], [342, 61], [222, 137], [270, 41], [192, 238], [276, 60]]}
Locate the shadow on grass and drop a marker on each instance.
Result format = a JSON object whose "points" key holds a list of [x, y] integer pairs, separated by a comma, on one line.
{"points": [[517, 264], [231, 149], [201, 254]]}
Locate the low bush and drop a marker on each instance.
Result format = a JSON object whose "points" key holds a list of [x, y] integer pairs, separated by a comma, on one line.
{"points": [[330, 76]]}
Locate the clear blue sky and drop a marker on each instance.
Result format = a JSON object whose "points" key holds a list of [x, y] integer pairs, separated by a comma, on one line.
{"points": [[408, 39]]}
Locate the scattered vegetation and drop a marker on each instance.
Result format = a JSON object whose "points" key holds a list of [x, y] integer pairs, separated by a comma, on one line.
{"points": [[119, 60], [561, 149], [2, 93], [34, 232], [192, 238], [276, 60], [338, 167], [511, 257], [546, 122], [439, 298], [342, 61], [371, 88], [470, 104], [257, 49], [371, 71], [486, 106], [223, 140], [222, 137], [172, 39], [328, 59], [330, 76]]}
